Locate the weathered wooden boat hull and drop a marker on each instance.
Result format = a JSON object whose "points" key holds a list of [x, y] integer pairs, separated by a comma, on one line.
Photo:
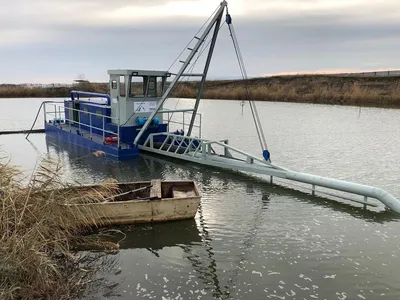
{"points": [[135, 211], [177, 200]]}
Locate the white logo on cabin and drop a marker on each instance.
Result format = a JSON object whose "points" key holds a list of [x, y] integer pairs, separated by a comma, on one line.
{"points": [[148, 106]]}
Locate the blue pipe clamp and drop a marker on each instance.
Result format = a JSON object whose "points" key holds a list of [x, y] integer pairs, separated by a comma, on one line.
{"points": [[266, 155]]}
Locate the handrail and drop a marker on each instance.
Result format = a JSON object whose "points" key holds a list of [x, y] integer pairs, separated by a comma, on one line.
{"points": [[166, 110], [203, 155], [90, 126], [183, 111], [176, 122], [43, 104], [108, 97], [86, 112], [220, 143], [206, 142], [103, 130], [237, 150]]}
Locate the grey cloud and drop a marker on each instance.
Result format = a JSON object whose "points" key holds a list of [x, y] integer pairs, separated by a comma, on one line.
{"points": [[107, 4], [304, 42]]}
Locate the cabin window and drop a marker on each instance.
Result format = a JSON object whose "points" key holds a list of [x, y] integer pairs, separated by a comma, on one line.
{"points": [[122, 86], [114, 84], [152, 90], [152, 84], [160, 87], [137, 86], [85, 111]]}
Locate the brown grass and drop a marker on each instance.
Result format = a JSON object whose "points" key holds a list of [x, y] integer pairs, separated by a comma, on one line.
{"points": [[20, 91], [368, 91], [35, 239], [324, 89]]}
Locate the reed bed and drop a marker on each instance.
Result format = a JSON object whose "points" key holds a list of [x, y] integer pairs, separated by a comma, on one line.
{"points": [[36, 238], [20, 91], [324, 89], [368, 91]]}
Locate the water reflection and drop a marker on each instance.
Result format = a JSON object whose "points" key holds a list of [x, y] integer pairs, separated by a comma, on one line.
{"points": [[254, 240], [186, 235], [226, 179], [210, 180], [95, 282], [158, 236], [242, 220], [205, 265], [355, 210]]}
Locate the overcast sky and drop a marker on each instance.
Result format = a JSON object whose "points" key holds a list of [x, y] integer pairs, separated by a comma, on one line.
{"points": [[44, 41]]}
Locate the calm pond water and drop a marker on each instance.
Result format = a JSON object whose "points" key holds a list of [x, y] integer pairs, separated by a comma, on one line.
{"points": [[250, 239]]}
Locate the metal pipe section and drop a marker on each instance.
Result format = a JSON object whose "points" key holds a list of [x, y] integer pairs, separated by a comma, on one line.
{"points": [[368, 191], [252, 164], [74, 92]]}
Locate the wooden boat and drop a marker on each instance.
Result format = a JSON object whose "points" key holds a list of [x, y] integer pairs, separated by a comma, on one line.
{"points": [[139, 202]]}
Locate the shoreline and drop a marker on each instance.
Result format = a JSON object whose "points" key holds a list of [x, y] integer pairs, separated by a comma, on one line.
{"points": [[312, 89]]}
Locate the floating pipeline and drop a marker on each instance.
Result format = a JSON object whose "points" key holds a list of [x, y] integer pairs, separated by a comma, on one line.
{"points": [[24, 131]]}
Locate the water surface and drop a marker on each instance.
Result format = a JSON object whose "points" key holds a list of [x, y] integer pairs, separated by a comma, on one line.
{"points": [[250, 239]]}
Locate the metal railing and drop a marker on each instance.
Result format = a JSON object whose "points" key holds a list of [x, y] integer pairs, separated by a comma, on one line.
{"points": [[203, 152], [59, 114], [169, 114], [203, 149]]}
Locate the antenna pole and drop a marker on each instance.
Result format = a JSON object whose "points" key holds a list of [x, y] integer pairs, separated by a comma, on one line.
{"points": [[201, 39]]}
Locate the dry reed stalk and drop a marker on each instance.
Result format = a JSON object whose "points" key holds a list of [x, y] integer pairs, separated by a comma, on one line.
{"points": [[35, 236], [19, 91], [309, 89]]}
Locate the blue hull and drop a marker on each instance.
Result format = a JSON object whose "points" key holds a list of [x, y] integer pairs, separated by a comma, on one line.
{"points": [[111, 151]]}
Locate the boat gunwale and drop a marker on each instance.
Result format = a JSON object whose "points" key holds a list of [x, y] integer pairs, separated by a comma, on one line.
{"points": [[198, 195]]}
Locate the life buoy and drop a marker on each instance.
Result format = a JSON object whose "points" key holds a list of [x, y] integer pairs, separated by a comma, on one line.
{"points": [[111, 139]]}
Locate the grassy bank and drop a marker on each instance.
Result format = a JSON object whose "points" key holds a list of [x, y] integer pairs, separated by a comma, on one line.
{"points": [[36, 261], [20, 91], [365, 91]]}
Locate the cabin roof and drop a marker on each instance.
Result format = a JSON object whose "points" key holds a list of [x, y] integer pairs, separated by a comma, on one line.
{"points": [[139, 72]]}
